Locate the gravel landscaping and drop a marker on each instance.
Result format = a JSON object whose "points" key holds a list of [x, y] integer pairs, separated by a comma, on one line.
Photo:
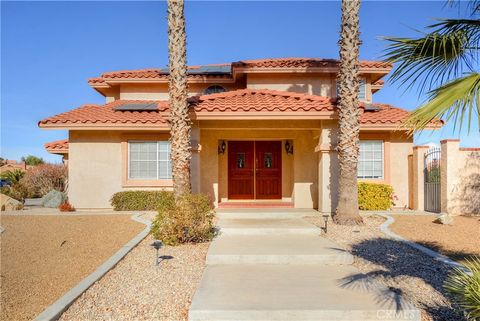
{"points": [[44, 256], [136, 289], [458, 241], [406, 271]]}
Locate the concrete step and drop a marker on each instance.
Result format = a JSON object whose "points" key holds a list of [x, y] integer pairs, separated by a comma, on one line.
{"points": [[264, 213], [293, 292], [281, 226], [276, 249]]}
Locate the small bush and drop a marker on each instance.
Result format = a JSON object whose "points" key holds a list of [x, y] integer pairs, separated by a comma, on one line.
{"points": [[17, 191], [139, 200], [465, 288], [375, 197], [188, 219], [41, 179], [66, 207]]}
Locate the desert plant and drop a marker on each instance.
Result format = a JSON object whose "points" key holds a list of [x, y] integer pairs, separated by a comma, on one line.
{"points": [[375, 197], [186, 219], [66, 207], [465, 288], [43, 178], [13, 176], [139, 200], [17, 191]]}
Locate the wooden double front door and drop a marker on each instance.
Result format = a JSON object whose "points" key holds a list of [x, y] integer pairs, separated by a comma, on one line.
{"points": [[255, 170]]}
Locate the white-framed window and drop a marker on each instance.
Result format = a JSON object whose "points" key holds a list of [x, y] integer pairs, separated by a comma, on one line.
{"points": [[149, 160], [362, 93], [370, 162]]}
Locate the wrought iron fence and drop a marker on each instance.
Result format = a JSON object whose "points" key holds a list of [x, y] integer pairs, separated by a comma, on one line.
{"points": [[432, 180]]}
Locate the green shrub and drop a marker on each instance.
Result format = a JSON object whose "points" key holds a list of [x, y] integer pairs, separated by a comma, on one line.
{"points": [[139, 200], [375, 197], [188, 219], [465, 288]]}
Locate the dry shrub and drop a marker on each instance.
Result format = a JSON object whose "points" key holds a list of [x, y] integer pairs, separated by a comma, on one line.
{"points": [[187, 219], [41, 179], [66, 207]]}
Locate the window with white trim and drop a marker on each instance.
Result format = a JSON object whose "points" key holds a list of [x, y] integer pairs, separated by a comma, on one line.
{"points": [[149, 160], [370, 162]]}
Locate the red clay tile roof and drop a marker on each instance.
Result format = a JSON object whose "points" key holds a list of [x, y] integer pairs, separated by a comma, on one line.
{"points": [[162, 73], [241, 101], [378, 83], [58, 146], [305, 63], [387, 114], [106, 115], [248, 100]]}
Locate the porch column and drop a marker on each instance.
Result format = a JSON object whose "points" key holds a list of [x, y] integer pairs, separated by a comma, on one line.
{"points": [[195, 162], [327, 170], [419, 177], [451, 163]]}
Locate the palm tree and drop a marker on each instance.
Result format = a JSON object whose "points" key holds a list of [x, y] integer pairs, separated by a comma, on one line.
{"points": [[178, 93], [348, 114], [443, 62]]}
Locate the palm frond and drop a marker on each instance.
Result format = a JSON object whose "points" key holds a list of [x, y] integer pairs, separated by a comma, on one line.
{"points": [[435, 57], [458, 99], [465, 288]]}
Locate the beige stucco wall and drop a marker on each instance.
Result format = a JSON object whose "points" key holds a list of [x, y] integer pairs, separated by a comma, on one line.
{"points": [[160, 91], [309, 84], [460, 179], [299, 171], [400, 148], [95, 168], [397, 147]]}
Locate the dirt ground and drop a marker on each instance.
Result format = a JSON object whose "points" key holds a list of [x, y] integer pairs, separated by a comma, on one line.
{"points": [[42, 257], [458, 241]]}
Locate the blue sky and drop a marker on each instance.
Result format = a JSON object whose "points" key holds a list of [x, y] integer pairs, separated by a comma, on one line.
{"points": [[49, 49]]}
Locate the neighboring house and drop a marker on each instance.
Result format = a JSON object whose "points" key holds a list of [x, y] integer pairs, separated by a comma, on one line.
{"points": [[58, 147], [263, 131], [11, 165]]}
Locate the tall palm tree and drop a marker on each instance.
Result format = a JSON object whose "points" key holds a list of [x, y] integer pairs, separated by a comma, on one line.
{"points": [[348, 114], [443, 62], [180, 122]]}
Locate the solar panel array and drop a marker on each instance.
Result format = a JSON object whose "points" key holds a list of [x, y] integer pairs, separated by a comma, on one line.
{"points": [[137, 107]]}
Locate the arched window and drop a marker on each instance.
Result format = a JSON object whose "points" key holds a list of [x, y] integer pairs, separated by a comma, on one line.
{"points": [[214, 89]]}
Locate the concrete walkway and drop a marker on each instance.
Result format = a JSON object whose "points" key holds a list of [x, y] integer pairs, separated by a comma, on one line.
{"points": [[275, 266]]}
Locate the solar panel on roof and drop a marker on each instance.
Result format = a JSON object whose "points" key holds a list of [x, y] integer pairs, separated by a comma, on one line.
{"points": [[370, 107], [137, 107]]}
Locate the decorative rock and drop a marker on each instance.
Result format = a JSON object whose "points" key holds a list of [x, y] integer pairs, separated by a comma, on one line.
{"points": [[444, 219], [9, 204], [53, 199]]}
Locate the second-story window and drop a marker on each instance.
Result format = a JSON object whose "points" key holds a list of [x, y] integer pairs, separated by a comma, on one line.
{"points": [[215, 89]]}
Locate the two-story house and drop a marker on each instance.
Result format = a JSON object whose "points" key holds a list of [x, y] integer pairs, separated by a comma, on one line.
{"points": [[264, 132]]}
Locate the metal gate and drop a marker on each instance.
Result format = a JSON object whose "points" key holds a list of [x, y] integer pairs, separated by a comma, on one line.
{"points": [[432, 180]]}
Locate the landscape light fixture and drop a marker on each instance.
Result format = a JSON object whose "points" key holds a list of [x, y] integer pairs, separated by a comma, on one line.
{"points": [[157, 245], [222, 146], [325, 221]]}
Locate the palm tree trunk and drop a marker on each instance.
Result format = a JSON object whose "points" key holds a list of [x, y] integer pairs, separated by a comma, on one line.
{"points": [[348, 114], [178, 93]]}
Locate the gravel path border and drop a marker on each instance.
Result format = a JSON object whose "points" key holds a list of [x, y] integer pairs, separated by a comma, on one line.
{"points": [[437, 256], [54, 311]]}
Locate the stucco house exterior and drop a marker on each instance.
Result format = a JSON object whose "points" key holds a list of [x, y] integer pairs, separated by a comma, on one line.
{"points": [[264, 131]]}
